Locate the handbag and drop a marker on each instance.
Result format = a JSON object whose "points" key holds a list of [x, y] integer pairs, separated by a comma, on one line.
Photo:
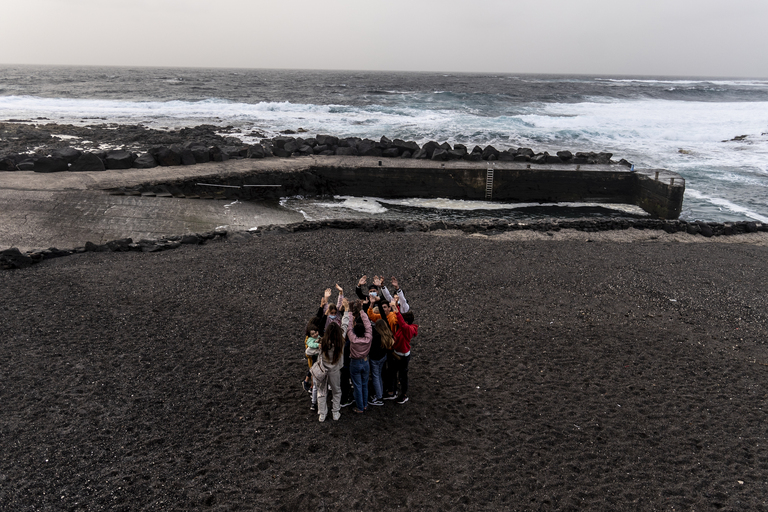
{"points": [[318, 370]]}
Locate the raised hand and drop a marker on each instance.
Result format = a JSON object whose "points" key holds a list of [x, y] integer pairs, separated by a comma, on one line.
{"points": [[393, 305], [393, 280], [378, 280], [327, 293], [345, 304], [341, 290], [362, 281]]}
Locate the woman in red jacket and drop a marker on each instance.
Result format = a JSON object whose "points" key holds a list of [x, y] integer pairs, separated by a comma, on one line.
{"points": [[404, 333]]}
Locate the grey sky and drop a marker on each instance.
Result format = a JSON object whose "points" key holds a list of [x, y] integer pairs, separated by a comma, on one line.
{"points": [[637, 37]]}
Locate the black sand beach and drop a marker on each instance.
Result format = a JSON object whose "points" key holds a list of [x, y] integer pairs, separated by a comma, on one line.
{"points": [[547, 375]]}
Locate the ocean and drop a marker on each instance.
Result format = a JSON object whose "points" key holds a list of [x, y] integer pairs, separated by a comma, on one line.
{"points": [[713, 132]]}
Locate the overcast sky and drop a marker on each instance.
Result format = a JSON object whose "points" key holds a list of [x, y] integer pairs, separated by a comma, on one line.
{"points": [[636, 37]]}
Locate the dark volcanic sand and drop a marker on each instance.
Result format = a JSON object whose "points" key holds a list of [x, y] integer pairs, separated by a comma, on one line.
{"points": [[546, 375]]}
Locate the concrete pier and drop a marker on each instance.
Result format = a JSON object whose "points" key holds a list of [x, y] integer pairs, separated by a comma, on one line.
{"points": [[67, 209]]}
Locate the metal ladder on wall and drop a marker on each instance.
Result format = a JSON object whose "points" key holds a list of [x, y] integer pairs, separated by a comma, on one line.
{"points": [[489, 185]]}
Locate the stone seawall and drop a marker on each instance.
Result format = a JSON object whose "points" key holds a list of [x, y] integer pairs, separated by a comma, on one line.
{"points": [[15, 259]]}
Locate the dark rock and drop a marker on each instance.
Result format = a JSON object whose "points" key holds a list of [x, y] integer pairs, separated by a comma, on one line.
{"points": [[421, 154], [346, 151], [165, 156], [526, 152], [389, 153], [200, 153], [187, 157], [13, 258], [291, 146], [320, 149], [446, 146], [349, 142], [507, 156], [705, 229], [7, 164], [385, 143], [144, 161], [217, 154], [488, 152], [119, 159], [553, 159], [539, 159], [68, 154], [368, 148], [50, 164], [26, 165], [522, 158], [564, 155], [280, 142], [440, 155], [256, 151], [191, 239], [406, 154], [430, 148], [404, 146], [751, 227], [625, 163], [88, 162], [121, 245], [327, 140]]}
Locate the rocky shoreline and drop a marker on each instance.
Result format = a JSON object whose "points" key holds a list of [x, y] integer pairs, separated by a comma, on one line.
{"points": [[49, 148], [14, 259]]}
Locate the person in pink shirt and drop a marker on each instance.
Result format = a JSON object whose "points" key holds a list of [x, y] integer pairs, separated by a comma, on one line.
{"points": [[360, 337]]}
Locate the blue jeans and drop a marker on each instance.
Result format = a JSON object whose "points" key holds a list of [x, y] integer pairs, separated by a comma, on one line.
{"points": [[358, 372], [376, 367]]}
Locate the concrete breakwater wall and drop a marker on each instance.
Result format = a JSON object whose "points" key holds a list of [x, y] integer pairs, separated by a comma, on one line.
{"points": [[15, 259], [657, 191]]}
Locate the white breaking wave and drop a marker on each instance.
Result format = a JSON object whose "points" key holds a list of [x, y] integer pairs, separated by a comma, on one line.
{"points": [[726, 204]]}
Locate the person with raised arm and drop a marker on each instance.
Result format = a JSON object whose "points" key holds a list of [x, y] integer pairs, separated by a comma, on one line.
{"points": [[405, 331], [360, 337], [402, 303], [331, 310], [332, 357]]}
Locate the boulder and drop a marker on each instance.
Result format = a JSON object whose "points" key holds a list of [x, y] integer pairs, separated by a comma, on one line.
{"points": [[119, 159], [26, 165], [445, 146], [68, 154], [391, 153], [200, 153], [564, 155], [507, 156], [13, 258], [256, 151], [440, 155], [346, 151], [145, 161], [421, 154], [280, 142], [185, 155], [705, 229], [368, 148], [305, 150], [327, 140], [320, 149], [526, 152], [541, 158], [291, 146], [50, 164], [7, 164], [121, 245], [430, 148], [384, 143], [490, 151], [553, 159], [403, 146], [88, 162], [165, 156]]}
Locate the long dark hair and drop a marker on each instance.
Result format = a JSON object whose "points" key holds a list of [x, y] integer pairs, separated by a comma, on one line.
{"points": [[332, 339], [387, 341]]}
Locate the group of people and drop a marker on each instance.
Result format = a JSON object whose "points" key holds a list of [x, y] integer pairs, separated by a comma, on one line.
{"points": [[352, 343]]}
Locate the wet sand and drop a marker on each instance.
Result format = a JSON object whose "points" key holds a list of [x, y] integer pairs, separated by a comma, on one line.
{"points": [[548, 374]]}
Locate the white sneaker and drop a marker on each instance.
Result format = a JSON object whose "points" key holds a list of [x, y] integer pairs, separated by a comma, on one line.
{"points": [[322, 418], [336, 416]]}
